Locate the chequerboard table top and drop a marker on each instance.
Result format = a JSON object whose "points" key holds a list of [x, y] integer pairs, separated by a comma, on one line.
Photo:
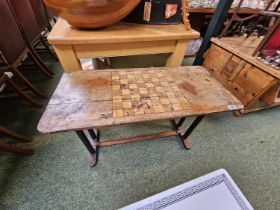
{"points": [[63, 33], [97, 98]]}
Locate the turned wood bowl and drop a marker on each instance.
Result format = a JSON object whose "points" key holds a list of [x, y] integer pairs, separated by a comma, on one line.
{"points": [[91, 13]]}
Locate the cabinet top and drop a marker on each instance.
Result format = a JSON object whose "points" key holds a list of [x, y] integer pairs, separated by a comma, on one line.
{"points": [[244, 47]]}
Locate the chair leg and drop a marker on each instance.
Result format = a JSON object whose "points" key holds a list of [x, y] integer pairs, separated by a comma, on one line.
{"points": [[254, 26], [15, 150], [37, 60], [233, 18], [48, 48], [224, 32], [23, 94], [27, 82], [49, 26], [14, 135]]}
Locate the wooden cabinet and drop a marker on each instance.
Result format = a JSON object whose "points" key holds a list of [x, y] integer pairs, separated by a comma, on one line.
{"points": [[221, 58], [253, 86], [253, 80]]}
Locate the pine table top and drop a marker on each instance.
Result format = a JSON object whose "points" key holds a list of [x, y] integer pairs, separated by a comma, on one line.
{"points": [[63, 33], [98, 98]]}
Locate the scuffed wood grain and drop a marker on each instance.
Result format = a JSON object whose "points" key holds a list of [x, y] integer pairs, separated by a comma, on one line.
{"points": [[63, 33], [133, 95]]}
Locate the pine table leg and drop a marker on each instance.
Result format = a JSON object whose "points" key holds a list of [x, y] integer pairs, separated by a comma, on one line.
{"points": [[176, 58], [68, 58]]}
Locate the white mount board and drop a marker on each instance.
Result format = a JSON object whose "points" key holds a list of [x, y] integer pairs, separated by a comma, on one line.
{"points": [[214, 191]]}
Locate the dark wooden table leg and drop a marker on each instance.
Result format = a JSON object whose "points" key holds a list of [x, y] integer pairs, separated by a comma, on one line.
{"points": [[184, 136], [179, 124], [94, 133], [90, 144]]}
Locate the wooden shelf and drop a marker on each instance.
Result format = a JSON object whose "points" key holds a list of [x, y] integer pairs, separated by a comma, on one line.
{"points": [[212, 10]]}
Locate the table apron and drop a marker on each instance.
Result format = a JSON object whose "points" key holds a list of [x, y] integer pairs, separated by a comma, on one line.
{"points": [[124, 49]]}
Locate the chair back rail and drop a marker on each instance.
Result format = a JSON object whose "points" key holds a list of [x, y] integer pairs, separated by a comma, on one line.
{"points": [[12, 44]]}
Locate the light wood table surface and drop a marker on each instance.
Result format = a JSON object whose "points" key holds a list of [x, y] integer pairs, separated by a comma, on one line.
{"points": [[88, 100], [122, 39]]}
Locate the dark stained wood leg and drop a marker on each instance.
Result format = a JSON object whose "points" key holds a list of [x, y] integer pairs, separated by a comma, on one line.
{"points": [[91, 145], [37, 60], [99, 64], [49, 27], [224, 32], [48, 48], [179, 123], [130, 139], [253, 27], [12, 134], [184, 135], [92, 160], [14, 149], [23, 94], [193, 126], [94, 134], [28, 84], [187, 144]]}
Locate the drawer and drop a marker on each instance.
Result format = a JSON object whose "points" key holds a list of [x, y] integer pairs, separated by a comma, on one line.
{"points": [[216, 58], [216, 65], [253, 80], [239, 92], [232, 68]]}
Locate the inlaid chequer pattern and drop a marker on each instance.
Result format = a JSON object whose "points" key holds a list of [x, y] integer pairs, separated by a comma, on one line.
{"points": [[136, 93]]}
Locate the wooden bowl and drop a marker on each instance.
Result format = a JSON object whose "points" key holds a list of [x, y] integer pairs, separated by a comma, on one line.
{"points": [[91, 13]]}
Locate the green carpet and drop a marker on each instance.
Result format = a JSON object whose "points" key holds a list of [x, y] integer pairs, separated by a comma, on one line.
{"points": [[57, 177]]}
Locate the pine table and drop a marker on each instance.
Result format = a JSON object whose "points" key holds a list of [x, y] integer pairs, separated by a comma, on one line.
{"points": [[122, 39]]}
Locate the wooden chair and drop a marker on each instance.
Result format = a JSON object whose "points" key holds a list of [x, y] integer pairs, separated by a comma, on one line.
{"points": [[38, 9], [236, 17], [13, 48], [50, 16], [269, 16], [4, 79], [44, 25], [30, 31]]}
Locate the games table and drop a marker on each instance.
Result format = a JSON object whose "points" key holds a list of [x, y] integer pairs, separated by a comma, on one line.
{"points": [[88, 100]]}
